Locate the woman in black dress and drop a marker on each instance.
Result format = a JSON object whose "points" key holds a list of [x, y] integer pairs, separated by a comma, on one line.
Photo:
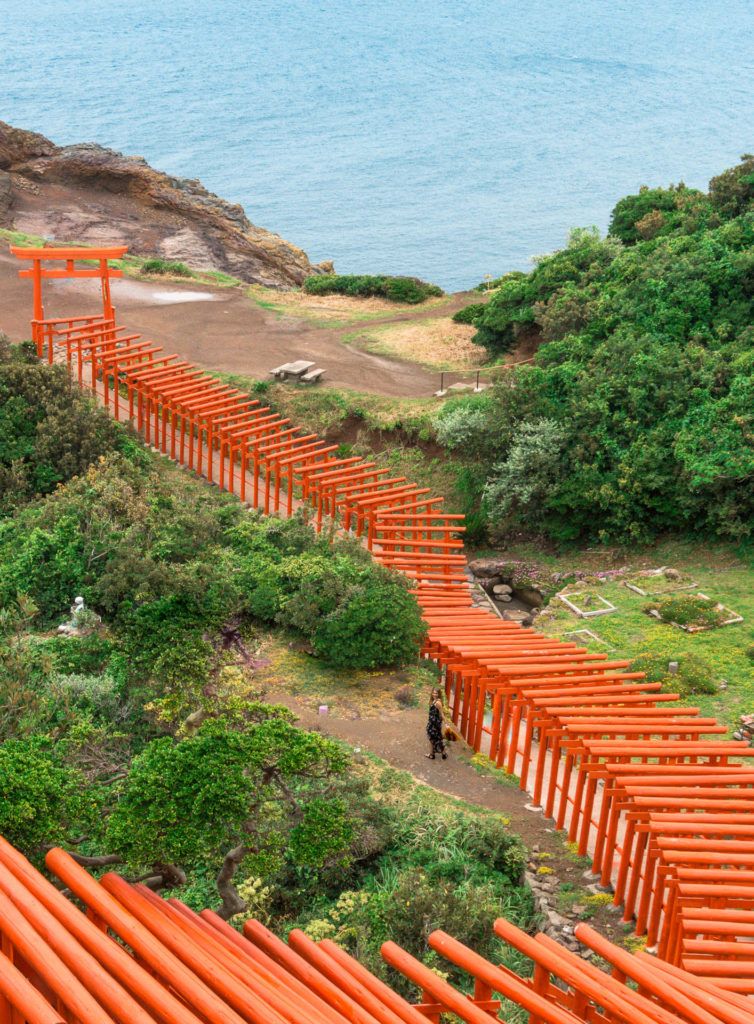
{"points": [[434, 727]]}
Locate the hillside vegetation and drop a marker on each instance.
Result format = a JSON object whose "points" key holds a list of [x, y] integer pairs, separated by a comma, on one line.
{"points": [[141, 739], [637, 416], [410, 290]]}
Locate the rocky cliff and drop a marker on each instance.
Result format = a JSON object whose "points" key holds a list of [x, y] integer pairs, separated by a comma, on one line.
{"points": [[88, 194]]}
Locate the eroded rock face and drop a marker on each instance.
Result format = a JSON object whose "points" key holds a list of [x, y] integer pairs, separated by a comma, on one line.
{"points": [[85, 193]]}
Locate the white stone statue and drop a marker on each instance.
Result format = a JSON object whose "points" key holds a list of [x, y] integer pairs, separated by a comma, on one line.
{"points": [[82, 620]]}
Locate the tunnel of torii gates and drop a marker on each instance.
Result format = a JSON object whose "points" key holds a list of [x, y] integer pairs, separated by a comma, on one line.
{"points": [[648, 788]]}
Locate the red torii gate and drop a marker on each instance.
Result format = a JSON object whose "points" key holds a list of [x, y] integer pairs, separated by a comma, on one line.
{"points": [[67, 257]]}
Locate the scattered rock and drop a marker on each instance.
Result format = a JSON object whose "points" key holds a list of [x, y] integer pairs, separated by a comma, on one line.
{"points": [[486, 568], [555, 919]]}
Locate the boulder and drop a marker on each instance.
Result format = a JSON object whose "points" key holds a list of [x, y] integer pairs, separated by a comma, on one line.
{"points": [[530, 596], [486, 568], [524, 618]]}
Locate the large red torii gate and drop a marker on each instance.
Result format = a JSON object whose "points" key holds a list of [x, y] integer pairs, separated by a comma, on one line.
{"points": [[67, 257]]}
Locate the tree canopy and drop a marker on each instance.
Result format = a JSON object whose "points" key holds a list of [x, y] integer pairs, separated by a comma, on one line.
{"points": [[636, 417]]}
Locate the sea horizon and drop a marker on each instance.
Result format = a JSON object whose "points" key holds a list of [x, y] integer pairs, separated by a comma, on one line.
{"points": [[440, 141]]}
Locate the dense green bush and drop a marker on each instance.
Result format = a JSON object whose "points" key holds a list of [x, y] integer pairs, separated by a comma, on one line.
{"points": [[533, 467], [633, 211], [520, 298], [49, 429], [355, 613], [463, 425], [732, 192], [645, 372], [171, 267], [411, 290], [470, 314], [44, 801], [376, 622], [78, 655]]}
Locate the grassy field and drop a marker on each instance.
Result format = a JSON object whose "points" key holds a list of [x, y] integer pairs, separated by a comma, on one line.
{"points": [[439, 344], [723, 572]]}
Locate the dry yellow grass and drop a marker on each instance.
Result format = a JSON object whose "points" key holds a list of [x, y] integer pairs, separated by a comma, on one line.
{"points": [[438, 343], [332, 308]]}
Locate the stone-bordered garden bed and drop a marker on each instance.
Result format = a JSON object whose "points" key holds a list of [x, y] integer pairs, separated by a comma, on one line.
{"points": [[693, 613], [657, 582]]}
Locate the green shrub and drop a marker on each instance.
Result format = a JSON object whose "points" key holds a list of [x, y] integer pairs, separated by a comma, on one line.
{"points": [[470, 314], [513, 307], [688, 610], [410, 290], [377, 622], [170, 267], [50, 430], [460, 847], [534, 465], [732, 192], [694, 676], [43, 800], [66, 700], [463, 425], [631, 211], [85, 655]]}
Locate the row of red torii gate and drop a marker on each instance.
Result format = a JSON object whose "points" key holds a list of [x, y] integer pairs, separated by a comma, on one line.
{"points": [[652, 791]]}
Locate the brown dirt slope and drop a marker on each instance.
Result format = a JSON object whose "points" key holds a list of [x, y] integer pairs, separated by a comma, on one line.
{"points": [[218, 328]]}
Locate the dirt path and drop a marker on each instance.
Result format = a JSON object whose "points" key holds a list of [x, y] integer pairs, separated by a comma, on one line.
{"points": [[223, 329], [400, 740]]}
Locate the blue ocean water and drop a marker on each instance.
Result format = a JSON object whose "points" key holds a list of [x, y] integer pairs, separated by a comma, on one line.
{"points": [[445, 138]]}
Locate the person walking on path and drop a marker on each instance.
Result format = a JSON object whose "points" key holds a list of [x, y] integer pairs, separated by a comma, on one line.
{"points": [[435, 727]]}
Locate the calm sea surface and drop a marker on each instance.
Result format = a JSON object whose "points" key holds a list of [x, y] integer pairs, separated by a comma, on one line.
{"points": [[441, 138]]}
